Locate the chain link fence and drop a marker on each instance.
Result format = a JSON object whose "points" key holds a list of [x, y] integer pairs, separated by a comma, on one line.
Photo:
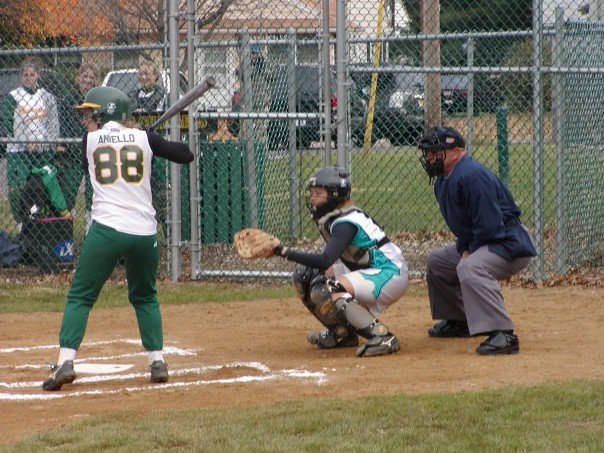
{"points": [[300, 85]]}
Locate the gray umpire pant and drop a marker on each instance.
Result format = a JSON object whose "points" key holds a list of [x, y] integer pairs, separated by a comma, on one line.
{"points": [[468, 289]]}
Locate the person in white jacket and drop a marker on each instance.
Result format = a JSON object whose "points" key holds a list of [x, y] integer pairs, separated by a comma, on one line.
{"points": [[29, 116]]}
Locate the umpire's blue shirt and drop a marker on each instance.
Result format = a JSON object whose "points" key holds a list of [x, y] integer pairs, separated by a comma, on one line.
{"points": [[480, 211]]}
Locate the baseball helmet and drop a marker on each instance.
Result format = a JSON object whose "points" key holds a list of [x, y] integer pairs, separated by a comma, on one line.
{"points": [[107, 104], [336, 181]]}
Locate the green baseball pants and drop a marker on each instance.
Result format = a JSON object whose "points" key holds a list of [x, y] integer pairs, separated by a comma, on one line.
{"points": [[103, 247]]}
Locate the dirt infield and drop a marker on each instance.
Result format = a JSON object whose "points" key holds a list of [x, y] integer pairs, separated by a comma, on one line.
{"points": [[238, 354]]}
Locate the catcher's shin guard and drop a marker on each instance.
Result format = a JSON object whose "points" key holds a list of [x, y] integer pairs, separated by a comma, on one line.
{"points": [[351, 312], [379, 340], [336, 337]]}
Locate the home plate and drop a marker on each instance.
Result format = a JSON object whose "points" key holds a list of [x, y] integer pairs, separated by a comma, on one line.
{"points": [[100, 368]]}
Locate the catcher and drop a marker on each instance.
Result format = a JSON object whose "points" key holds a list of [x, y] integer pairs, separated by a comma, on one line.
{"points": [[346, 295]]}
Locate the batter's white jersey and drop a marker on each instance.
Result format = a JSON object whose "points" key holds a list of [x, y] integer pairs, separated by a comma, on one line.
{"points": [[119, 164]]}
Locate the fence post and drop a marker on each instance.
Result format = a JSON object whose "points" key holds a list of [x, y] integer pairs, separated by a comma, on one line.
{"points": [[503, 147], [175, 233], [470, 101], [558, 111], [538, 201], [294, 212], [193, 140], [247, 131]]}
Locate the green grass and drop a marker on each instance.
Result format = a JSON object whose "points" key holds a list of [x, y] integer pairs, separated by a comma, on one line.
{"points": [[30, 298], [548, 418], [36, 297], [393, 188]]}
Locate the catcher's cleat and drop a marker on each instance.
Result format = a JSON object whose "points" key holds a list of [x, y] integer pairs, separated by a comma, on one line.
{"points": [[449, 329], [326, 339], [379, 345], [499, 342], [159, 372], [59, 375]]}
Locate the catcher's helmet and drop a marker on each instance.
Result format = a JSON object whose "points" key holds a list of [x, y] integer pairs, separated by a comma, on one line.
{"points": [[336, 181], [107, 104], [439, 138]]}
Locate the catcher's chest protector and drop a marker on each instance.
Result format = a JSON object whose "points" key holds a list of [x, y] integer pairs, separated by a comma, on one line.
{"points": [[353, 257]]}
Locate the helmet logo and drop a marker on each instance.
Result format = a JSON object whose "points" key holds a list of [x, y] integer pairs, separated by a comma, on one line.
{"points": [[111, 107]]}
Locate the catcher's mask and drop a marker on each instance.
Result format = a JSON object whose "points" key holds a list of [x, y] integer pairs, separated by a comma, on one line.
{"points": [[435, 140], [336, 181], [107, 104]]}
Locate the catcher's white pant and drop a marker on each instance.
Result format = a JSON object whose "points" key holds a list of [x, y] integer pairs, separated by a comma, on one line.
{"points": [[468, 289], [367, 282]]}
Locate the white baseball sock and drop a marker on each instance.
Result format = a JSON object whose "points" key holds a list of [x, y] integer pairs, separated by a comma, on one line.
{"points": [[66, 354]]}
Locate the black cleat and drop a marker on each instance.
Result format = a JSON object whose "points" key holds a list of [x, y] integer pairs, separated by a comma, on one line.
{"points": [[59, 375], [499, 342], [159, 372], [449, 329], [379, 345]]}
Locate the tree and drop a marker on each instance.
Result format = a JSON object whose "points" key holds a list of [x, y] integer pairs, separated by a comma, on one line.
{"points": [[459, 16]]}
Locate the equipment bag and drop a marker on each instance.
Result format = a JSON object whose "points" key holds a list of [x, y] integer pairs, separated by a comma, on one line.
{"points": [[48, 242], [10, 252]]}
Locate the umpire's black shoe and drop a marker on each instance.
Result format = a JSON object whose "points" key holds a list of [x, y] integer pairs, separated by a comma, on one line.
{"points": [[59, 375], [449, 329], [159, 372], [499, 342]]}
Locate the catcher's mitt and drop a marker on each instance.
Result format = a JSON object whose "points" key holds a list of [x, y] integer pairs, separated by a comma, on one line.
{"points": [[254, 243]]}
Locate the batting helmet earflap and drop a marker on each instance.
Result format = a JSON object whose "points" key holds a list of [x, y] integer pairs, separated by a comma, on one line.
{"points": [[107, 104]]}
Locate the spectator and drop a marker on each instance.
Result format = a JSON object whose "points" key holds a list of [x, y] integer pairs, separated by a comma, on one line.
{"points": [[70, 170], [151, 97], [259, 87], [492, 244], [29, 112]]}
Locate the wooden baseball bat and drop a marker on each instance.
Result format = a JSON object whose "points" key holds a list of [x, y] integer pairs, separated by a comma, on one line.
{"points": [[184, 101]]}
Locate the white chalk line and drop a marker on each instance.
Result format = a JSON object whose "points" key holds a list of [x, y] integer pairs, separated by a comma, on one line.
{"points": [[94, 343], [318, 377], [124, 377], [284, 374], [168, 350]]}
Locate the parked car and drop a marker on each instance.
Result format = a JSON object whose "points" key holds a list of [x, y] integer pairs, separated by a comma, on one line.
{"points": [[454, 91], [58, 84], [398, 114], [308, 95]]}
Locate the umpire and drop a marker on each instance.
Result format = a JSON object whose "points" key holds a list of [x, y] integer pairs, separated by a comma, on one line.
{"points": [[492, 244]]}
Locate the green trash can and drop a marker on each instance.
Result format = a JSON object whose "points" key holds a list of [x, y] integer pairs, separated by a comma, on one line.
{"points": [[224, 194]]}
